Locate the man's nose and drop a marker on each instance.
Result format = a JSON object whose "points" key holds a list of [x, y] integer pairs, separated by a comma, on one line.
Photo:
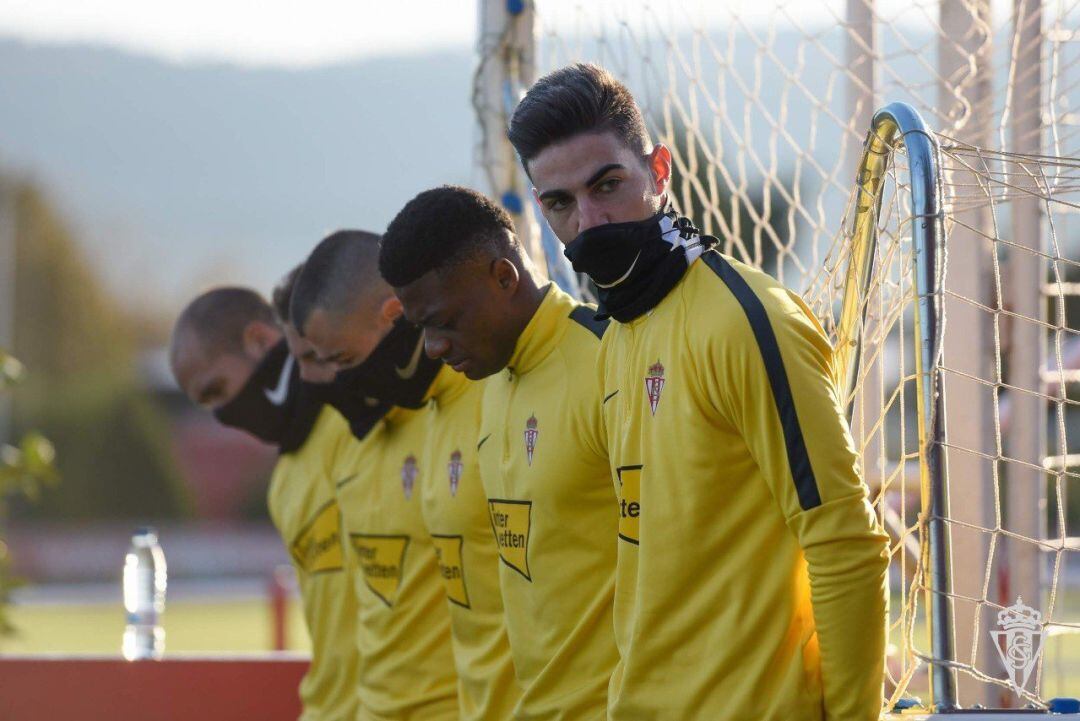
{"points": [[590, 215], [435, 346]]}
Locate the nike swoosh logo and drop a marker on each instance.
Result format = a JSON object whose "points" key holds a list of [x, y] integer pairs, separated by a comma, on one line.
{"points": [[279, 394], [345, 480], [624, 275], [410, 370], [609, 396], [483, 441]]}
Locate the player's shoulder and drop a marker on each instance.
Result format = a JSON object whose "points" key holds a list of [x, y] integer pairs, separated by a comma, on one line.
{"points": [[726, 279], [582, 320], [580, 344], [740, 297]]}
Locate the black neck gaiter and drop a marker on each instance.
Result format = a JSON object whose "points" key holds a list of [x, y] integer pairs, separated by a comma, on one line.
{"points": [[274, 405], [397, 373], [361, 412], [635, 265]]}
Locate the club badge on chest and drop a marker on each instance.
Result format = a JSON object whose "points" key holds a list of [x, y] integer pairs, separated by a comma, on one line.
{"points": [[654, 384], [531, 434], [455, 467], [408, 476]]}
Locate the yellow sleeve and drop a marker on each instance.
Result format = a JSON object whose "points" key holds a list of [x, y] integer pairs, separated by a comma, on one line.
{"points": [[774, 381]]}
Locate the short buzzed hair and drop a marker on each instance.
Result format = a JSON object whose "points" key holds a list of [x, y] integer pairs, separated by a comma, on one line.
{"points": [[281, 296], [440, 228], [218, 318], [341, 271], [579, 98]]}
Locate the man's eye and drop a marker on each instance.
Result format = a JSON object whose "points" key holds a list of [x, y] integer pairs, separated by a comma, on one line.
{"points": [[608, 185], [557, 205]]}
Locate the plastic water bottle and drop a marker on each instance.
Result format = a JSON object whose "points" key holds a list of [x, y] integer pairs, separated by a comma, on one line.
{"points": [[144, 597]]}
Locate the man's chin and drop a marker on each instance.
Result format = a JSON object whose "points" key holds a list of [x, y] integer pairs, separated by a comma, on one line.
{"points": [[472, 370]]}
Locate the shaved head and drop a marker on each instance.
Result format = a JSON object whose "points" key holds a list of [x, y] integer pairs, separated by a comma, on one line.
{"points": [[340, 275], [281, 297], [217, 318], [311, 369], [218, 340]]}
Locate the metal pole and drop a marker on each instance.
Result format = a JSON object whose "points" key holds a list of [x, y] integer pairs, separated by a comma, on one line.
{"points": [[861, 45], [895, 121], [507, 69], [507, 47], [965, 96], [1024, 273], [860, 54]]}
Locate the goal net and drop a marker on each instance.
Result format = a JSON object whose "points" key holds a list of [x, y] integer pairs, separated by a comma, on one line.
{"points": [[767, 106]]}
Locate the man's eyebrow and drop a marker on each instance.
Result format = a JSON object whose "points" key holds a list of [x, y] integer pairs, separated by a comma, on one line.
{"points": [[602, 172], [593, 179], [557, 194]]}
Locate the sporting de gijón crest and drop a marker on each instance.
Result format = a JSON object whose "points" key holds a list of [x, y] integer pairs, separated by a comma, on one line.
{"points": [[654, 384], [531, 434], [408, 476], [455, 468]]}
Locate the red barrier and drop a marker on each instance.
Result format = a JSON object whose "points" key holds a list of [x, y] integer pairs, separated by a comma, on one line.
{"points": [[61, 688], [280, 583]]}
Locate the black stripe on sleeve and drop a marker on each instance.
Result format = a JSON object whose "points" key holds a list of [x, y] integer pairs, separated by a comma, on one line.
{"points": [[798, 458], [585, 316]]}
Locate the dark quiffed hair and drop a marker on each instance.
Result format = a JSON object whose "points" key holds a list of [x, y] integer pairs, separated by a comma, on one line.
{"points": [[282, 294], [580, 98], [218, 318], [440, 228]]}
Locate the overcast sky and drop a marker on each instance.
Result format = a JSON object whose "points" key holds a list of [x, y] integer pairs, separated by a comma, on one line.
{"points": [[259, 32], [287, 32], [291, 33]]}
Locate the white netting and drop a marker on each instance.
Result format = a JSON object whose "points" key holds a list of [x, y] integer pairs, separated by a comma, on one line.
{"points": [[765, 105]]}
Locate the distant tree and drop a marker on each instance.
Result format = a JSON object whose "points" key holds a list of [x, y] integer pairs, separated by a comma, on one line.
{"points": [[111, 438], [25, 468]]}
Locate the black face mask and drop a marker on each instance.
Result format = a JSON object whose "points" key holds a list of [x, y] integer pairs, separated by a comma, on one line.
{"points": [[273, 405], [362, 413], [397, 372], [636, 264]]}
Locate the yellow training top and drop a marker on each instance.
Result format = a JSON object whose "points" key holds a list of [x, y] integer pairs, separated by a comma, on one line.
{"points": [[455, 510], [545, 471], [304, 510], [752, 571], [403, 627]]}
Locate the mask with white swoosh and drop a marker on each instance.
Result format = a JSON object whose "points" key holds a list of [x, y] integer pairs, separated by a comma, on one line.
{"points": [[635, 265], [397, 372], [273, 405]]}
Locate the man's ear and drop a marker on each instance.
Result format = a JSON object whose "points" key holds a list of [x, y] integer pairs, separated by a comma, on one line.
{"points": [[505, 274], [660, 166], [258, 338], [391, 309]]}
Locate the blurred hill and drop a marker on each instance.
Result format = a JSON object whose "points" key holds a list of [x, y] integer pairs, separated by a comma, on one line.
{"points": [[180, 175]]}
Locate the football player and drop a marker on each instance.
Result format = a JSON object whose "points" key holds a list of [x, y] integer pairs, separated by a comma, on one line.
{"points": [[228, 355], [751, 578], [432, 626], [461, 273]]}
